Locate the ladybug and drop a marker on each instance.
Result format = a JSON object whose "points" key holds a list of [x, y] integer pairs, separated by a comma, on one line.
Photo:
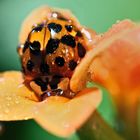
{"points": [[50, 55]]}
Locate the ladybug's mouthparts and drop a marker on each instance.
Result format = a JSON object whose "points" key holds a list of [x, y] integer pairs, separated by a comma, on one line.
{"points": [[50, 55]]}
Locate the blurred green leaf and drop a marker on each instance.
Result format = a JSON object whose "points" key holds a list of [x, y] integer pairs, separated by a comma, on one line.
{"points": [[97, 129], [107, 108]]}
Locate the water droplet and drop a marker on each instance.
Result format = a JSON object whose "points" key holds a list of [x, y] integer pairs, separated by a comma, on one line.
{"points": [[8, 104], [66, 125], [35, 110], [118, 21], [6, 110], [20, 86], [8, 98], [15, 117], [17, 101], [26, 118], [94, 126]]}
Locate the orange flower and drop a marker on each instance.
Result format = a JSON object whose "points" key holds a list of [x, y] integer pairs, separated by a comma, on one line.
{"points": [[114, 63], [59, 115]]}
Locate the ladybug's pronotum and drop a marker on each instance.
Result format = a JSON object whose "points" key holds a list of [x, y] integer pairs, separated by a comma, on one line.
{"points": [[50, 54]]}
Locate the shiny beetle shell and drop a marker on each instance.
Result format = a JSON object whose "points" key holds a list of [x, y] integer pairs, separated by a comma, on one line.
{"points": [[50, 55]]}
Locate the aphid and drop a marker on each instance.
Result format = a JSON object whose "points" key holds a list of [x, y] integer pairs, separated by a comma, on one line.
{"points": [[50, 54]]}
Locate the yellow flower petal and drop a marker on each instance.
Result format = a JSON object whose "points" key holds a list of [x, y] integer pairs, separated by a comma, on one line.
{"points": [[62, 116], [14, 97], [116, 28], [59, 115], [80, 75], [117, 67]]}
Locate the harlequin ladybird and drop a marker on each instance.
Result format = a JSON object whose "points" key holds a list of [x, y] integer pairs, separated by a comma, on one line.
{"points": [[50, 55]]}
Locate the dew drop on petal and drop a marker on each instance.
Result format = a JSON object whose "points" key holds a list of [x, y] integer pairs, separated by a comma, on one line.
{"points": [[26, 118], [8, 104], [1, 116], [6, 110], [66, 124], [118, 21], [8, 98], [35, 110], [17, 101]]}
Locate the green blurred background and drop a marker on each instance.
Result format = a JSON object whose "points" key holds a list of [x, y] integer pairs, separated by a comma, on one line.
{"points": [[96, 14]]}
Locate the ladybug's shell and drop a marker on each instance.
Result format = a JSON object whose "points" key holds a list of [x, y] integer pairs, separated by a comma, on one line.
{"points": [[67, 48], [52, 45]]}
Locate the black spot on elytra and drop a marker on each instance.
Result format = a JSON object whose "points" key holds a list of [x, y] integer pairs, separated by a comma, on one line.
{"points": [[37, 28], [52, 45], [55, 27], [26, 45], [23, 69], [44, 68], [79, 34], [35, 47], [68, 28], [68, 40], [81, 50], [59, 61], [72, 64], [30, 65], [54, 81], [41, 83]]}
